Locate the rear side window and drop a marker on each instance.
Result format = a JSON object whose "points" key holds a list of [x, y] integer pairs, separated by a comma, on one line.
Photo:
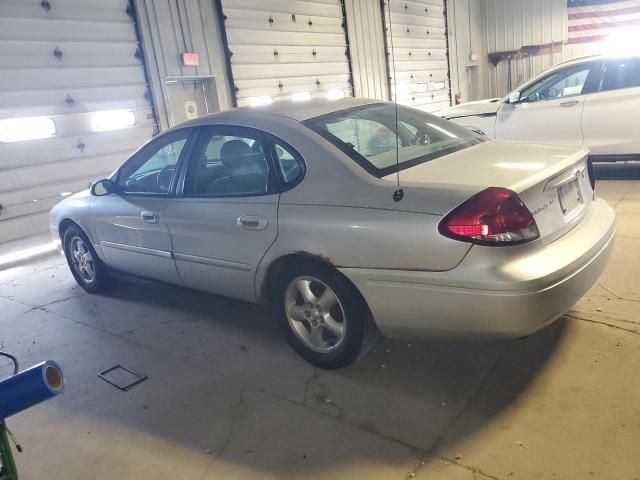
{"points": [[289, 163], [225, 165], [622, 73]]}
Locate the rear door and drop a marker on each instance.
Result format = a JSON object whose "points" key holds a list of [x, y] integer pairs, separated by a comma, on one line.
{"points": [[130, 224], [226, 217], [549, 110], [611, 118]]}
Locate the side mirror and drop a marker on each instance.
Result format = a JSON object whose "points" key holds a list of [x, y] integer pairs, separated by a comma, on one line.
{"points": [[514, 97], [102, 187]]}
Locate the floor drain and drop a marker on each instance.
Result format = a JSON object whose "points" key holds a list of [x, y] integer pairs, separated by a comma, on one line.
{"points": [[122, 377]]}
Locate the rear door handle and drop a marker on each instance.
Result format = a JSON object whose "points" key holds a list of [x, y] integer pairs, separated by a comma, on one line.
{"points": [[148, 216], [569, 104], [252, 222]]}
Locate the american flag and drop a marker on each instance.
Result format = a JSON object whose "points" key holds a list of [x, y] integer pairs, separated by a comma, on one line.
{"points": [[595, 20]]}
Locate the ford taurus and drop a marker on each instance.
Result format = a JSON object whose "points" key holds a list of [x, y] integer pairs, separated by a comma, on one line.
{"points": [[349, 218]]}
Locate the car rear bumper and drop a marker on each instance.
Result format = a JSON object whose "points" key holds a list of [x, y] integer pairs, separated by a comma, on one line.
{"points": [[495, 292]]}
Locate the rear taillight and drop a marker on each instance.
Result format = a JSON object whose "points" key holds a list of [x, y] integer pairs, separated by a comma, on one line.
{"points": [[495, 216]]}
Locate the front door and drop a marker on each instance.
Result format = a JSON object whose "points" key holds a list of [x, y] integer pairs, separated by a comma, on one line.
{"points": [[130, 224], [549, 110], [611, 118], [226, 218]]}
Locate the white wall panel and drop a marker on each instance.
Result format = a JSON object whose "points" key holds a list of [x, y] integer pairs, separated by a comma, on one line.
{"points": [[417, 51], [466, 30], [366, 39], [65, 62], [170, 28], [281, 47], [38, 102]]}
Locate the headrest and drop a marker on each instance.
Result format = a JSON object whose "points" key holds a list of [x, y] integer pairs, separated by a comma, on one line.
{"points": [[235, 153], [240, 159]]}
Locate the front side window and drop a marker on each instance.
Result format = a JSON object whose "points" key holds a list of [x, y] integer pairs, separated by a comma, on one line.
{"points": [[622, 73], [152, 169], [368, 135], [227, 165], [563, 83]]}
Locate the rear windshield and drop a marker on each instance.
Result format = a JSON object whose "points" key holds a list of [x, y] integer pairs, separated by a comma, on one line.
{"points": [[368, 135]]}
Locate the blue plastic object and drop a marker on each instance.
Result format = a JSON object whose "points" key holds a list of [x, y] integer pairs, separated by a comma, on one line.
{"points": [[30, 387]]}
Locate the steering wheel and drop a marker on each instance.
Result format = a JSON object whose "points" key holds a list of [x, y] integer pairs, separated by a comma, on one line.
{"points": [[554, 92]]}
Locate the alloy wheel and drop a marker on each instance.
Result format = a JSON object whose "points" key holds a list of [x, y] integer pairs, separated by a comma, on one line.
{"points": [[315, 314], [82, 260]]}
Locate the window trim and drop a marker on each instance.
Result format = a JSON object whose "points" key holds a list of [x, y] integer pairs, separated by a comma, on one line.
{"points": [[165, 137], [284, 185], [235, 131], [591, 84]]}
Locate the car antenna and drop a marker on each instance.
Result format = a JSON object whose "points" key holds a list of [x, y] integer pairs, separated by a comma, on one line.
{"points": [[399, 193]]}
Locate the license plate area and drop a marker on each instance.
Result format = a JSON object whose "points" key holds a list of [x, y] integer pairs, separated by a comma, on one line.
{"points": [[570, 196]]}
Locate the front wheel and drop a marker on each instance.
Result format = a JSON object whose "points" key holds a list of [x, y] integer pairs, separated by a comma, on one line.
{"points": [[85, 265], [323, 316]]}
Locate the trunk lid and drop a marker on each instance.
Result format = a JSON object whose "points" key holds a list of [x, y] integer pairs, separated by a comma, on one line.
{"points": [[552, 181]]}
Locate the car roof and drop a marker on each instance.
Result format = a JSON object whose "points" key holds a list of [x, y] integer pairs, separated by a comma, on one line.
{"points": [[304, 110], [590, 58], [298, 111]]}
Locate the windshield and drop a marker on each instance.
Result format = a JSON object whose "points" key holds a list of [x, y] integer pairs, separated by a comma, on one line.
{"points": [[368, 135]]}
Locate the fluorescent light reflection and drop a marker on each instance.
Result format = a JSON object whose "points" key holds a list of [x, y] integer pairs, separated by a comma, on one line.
{"points": [[301, 96], [112, 120], [335, 94], [27, 254], [260, 100], [27, 128], [520, 165]]}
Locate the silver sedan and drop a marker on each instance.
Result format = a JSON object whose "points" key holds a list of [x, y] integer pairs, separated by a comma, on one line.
{"points": [[349, 218]]}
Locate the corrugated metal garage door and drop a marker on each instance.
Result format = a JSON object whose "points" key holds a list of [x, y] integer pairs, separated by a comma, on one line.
{"points": [[65, 60], [419, 51], [281, 48]]}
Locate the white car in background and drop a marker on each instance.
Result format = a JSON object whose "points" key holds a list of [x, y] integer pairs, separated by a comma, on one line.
{"points": [[592, 102]]}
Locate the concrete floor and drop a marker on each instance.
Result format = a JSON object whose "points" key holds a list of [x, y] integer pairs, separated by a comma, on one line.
{"points": [[227, 398]]}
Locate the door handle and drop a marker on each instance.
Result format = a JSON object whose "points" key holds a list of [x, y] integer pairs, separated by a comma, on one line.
{"points": [[252, 222], [570, 103], [149, 217]]}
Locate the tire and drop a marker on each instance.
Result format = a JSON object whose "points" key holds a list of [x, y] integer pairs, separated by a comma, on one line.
{"points": [[87, 268], [346, 328]]}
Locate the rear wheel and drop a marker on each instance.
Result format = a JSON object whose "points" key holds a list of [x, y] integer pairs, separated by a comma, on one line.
{"points": [[85, 265], [323, 316]]}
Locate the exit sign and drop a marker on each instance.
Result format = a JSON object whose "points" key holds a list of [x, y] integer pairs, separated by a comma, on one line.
{"points": [[190, 59]]}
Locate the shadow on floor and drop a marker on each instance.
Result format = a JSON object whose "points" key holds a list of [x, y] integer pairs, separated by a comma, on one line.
{"points": [[410, 393]]}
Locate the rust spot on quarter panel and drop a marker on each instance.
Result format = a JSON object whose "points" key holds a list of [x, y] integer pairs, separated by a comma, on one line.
{"points": [[318, 256]]}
